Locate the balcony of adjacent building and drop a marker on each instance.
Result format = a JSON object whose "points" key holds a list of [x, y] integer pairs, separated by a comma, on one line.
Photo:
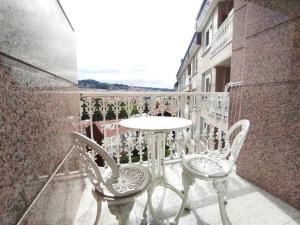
{"points": [[185, 79], [223, 37], [215, 24], [223, 71], [216, 78]]}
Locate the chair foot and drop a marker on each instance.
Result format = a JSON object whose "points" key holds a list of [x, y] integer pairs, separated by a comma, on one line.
{"points": [[187, 207], [221, 187], [225, 200], [143, 221]]}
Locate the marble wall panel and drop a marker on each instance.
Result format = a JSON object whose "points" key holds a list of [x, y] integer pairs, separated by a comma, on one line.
{"points": [[239, 4], [59, 202], [38, 33], [36, 121], [270, 156], [274, 171], [273, 102], [237, 65], [268, 56], [39, 104], [239, 28], [268, 64], [295, 54], [266, 14]]}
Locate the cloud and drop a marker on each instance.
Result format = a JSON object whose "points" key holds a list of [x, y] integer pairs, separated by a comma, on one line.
{"points": [[140, 83], [94, 70], [132, 40], [99, 71], [136, 76], [138, 69]]}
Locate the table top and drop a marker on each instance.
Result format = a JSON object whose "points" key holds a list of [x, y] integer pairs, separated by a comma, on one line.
{"points": [[156, 123]]}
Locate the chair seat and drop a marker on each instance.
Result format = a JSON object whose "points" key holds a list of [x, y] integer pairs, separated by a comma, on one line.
{"points": [[204, 166], [132, 178]]}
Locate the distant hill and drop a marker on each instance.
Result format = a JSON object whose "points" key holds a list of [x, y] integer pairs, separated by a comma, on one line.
{"points": [[93, 84]]}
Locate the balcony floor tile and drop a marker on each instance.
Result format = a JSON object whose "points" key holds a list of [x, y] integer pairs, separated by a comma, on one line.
{"points": [[247, 204]]}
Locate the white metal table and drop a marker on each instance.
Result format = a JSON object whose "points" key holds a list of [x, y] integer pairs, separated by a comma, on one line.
{"points": [[156, 129]]}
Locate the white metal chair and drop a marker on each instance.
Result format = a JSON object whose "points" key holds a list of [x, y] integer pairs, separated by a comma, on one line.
{"points": [[118, 185], [210, 168]]}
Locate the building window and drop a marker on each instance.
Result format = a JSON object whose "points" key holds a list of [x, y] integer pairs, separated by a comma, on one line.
{"points": [[206, 38], [189, 69], [207, 83], [195, 65]]}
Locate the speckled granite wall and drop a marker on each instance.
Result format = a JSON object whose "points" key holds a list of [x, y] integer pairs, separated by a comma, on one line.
{"points": [[60, 202], [266, 57], [37, 109]]}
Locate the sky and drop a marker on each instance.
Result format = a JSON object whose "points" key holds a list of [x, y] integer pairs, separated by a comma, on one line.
{"points": [[134, 42]]}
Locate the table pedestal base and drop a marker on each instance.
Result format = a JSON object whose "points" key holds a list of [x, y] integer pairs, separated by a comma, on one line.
{"points": [[160, 181]]}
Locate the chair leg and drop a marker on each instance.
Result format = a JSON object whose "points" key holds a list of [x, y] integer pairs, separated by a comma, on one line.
{"points": [[121, 210], [98, 199], [221, 187], [144, 219], [187, 181], [99, 206]]}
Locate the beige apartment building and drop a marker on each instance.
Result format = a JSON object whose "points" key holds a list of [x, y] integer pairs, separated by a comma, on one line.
{"points": [[206, 64], [263, 54]]}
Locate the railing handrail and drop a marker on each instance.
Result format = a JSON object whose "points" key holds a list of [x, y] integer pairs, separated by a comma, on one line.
{"points": [[150, 94], [232, 84]]}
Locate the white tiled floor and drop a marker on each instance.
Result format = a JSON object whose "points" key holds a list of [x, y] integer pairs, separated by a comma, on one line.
{"points": [[247, 204]]}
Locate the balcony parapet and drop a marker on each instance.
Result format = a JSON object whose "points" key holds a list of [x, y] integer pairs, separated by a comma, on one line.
{"points": [[223, 36], [128, 146]]}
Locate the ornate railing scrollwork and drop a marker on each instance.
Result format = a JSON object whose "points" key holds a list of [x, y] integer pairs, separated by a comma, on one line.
{"points": [[109, 108]]}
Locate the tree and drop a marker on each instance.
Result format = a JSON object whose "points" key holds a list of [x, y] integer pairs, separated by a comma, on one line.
{"points": [[123, 113], [135, 157], [146, 109], [85, 114], [97, 116], [134, 111], [110, 115]]}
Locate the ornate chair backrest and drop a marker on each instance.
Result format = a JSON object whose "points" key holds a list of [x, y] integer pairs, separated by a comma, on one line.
{"points": [[239, 130], [90, 166]]}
